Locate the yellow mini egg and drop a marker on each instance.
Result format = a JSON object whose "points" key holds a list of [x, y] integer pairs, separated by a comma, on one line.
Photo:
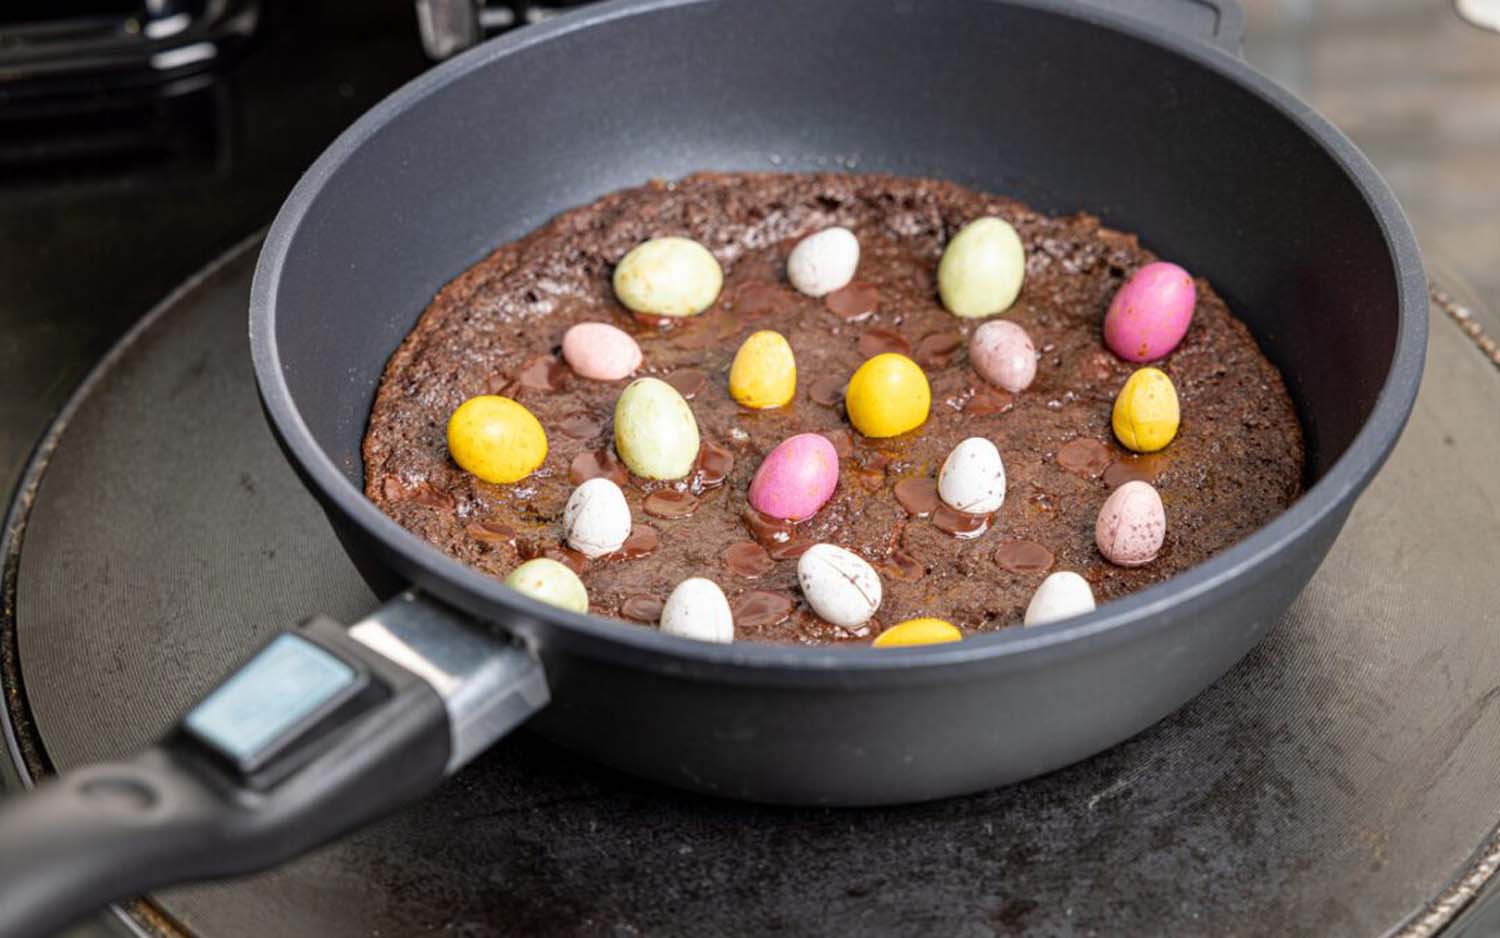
{"points": [[918, 632], [888, 396], [764, 373], [1146, 412], [496, 439]]}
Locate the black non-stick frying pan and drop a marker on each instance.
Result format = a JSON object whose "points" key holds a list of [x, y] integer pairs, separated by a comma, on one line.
{"points": [[1055, 102]]}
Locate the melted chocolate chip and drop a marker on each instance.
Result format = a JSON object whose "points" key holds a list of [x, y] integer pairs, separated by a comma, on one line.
{"points": [[688, 381], [641, 609], [502, 385], [748, 559], [843, 442], [758, 609], [543, 373], [761, 298], [918, 496], [567, 556], [879, 341], [1024, 557], [855, 301], [936, 349], [903, 566], [960, 524], [1145, 468], [1084, 457], [790, 550], [670, 504], [987, 401], [715, 463], [591, 464], [392, 489], [700, 333], [827, 390], [643, 540], [491, 532], [430, 496], [580, 426], [766, 530]]}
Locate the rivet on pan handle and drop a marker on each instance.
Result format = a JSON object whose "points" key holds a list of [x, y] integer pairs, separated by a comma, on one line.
{"points": [[322, 730]]}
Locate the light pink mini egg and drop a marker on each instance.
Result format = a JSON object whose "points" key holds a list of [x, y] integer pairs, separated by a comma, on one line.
{"points": [[600, 351], [1131, 526], [796, 478], [1151, 313], [1003, 354]]}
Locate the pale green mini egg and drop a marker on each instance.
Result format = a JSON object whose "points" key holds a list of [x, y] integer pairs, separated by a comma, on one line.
{"points": [[668, 277], [548, 581], [982, 269], [656, 433]]}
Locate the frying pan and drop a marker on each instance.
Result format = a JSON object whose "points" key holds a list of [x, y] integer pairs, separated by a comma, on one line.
{"points": [[1059, 103]]}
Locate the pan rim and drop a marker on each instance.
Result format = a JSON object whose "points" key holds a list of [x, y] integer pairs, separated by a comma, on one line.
{"points": [[1127, 618]]}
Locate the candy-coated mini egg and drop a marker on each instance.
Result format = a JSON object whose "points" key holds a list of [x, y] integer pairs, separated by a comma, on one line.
{"points": [[1132, 525], [596, 520], [548, 581], [823, 262], [1004, 355], [838, 585], [918, 632], [887, 396], [1146, 412], [973, 477], [796, 478], [496, 439], [656, 434], [697, 609], [764, 373], [668, 277], [982, 269], [1151, 313], [1062, 595], [600, 351]]}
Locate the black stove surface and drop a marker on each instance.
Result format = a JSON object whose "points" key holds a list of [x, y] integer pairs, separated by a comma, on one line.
{"points": [[107, 224]]}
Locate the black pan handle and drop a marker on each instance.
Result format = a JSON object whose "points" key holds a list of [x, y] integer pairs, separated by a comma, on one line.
{"points": [[1217, 22], [323, 730]]}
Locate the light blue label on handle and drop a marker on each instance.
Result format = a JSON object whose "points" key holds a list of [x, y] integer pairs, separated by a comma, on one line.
{"points": [[289, 680]]}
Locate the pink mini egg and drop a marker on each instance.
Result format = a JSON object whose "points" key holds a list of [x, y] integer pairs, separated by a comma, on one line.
{"points": [[1003, 354], [1150, 314], [796, 478], [600, 351], [1132, 525]]}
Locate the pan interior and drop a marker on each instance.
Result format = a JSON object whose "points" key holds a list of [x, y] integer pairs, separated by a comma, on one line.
{"points": [[1063, 113]]}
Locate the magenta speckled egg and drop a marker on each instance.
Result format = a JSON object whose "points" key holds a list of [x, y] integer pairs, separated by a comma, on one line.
{"points": [[1131, 526], [796, 478], [1003, 354], [1150, 314], [600, 351]]}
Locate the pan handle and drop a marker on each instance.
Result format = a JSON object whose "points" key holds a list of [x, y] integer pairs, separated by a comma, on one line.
{"points": [[323, 730], [1217, 22]]}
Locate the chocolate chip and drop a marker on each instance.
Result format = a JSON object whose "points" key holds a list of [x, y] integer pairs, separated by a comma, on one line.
{"points": [[766, 530], [1024, 557], [936, 349], [789, 550], [580, 426], [1144, 468], [960, 524], [918, 496], [429, 496], [1084, 457], [591, 464], [748, 559], [688, 381], [852, 302], [879, 341], [761, 298], [987, 401], [715, 463], [543, 373], [643, 540], [670, 504], [491, 532], [502, 385], [827, 390], [759, 609], [903, 566], [641, 609]]}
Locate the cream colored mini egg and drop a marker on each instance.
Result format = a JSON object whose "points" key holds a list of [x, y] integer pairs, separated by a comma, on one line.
{"points": [[973, 477], [982, 268], [823, 262], [656, 433], [548, 581], [596, 520], [668, 277], [838, 585], [697, 609], [1062, 595]]}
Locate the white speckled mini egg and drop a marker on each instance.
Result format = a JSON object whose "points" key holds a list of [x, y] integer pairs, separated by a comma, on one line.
{"points": [[973, 477], [1062, 595], [596, 520], [838, 585], [824, 261], [697, 609]]}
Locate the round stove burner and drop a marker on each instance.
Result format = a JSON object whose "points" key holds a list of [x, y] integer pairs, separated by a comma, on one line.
{"points": [[1342, 780]]}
